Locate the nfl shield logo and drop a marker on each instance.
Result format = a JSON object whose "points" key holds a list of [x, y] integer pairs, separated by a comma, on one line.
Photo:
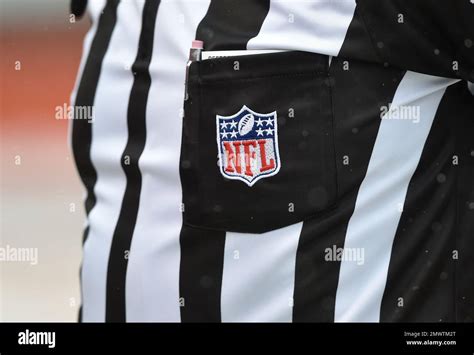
{"points": [[248, 145]]}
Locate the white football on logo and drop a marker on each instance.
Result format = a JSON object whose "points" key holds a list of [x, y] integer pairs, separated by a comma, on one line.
{"points": [[246, 124]]}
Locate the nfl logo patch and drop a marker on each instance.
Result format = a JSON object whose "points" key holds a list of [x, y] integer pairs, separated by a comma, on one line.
{"points": [[248, 145]]}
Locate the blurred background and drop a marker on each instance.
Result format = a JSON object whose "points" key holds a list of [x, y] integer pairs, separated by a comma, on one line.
{"points": [[40, 192]]}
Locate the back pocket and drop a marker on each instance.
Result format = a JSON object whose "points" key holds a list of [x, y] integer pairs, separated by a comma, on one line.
{"points": [[258, 146]]}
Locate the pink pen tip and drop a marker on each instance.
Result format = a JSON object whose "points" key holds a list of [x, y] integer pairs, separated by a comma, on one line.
{"points": [[198, 44]]}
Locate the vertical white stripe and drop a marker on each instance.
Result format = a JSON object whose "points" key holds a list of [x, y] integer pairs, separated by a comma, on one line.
{"points": [[307, 25], [372, 227], [109, 137], [259, 275], [152, 288]]}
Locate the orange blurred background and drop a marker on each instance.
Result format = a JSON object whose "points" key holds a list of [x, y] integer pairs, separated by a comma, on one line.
{"points": [[40, 192]]}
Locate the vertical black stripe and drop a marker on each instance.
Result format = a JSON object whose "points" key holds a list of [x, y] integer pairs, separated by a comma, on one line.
{"points": [[421, 276], [82, 129], [228, 24], [201, 269], [136, 119], [356, 123], [427, 25]]}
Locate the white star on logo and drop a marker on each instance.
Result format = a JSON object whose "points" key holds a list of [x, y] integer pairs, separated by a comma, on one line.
{"points": [[269, 122], [233, 134], [224, 135], [233, 124], [259, 132], [269, 131], [223, 125], [259, 122]]}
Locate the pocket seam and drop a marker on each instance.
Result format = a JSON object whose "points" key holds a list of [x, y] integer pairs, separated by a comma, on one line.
{"points": [[206, 82]]}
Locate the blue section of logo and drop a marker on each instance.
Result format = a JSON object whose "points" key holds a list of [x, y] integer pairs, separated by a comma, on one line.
{"points": [[235, 128]]}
